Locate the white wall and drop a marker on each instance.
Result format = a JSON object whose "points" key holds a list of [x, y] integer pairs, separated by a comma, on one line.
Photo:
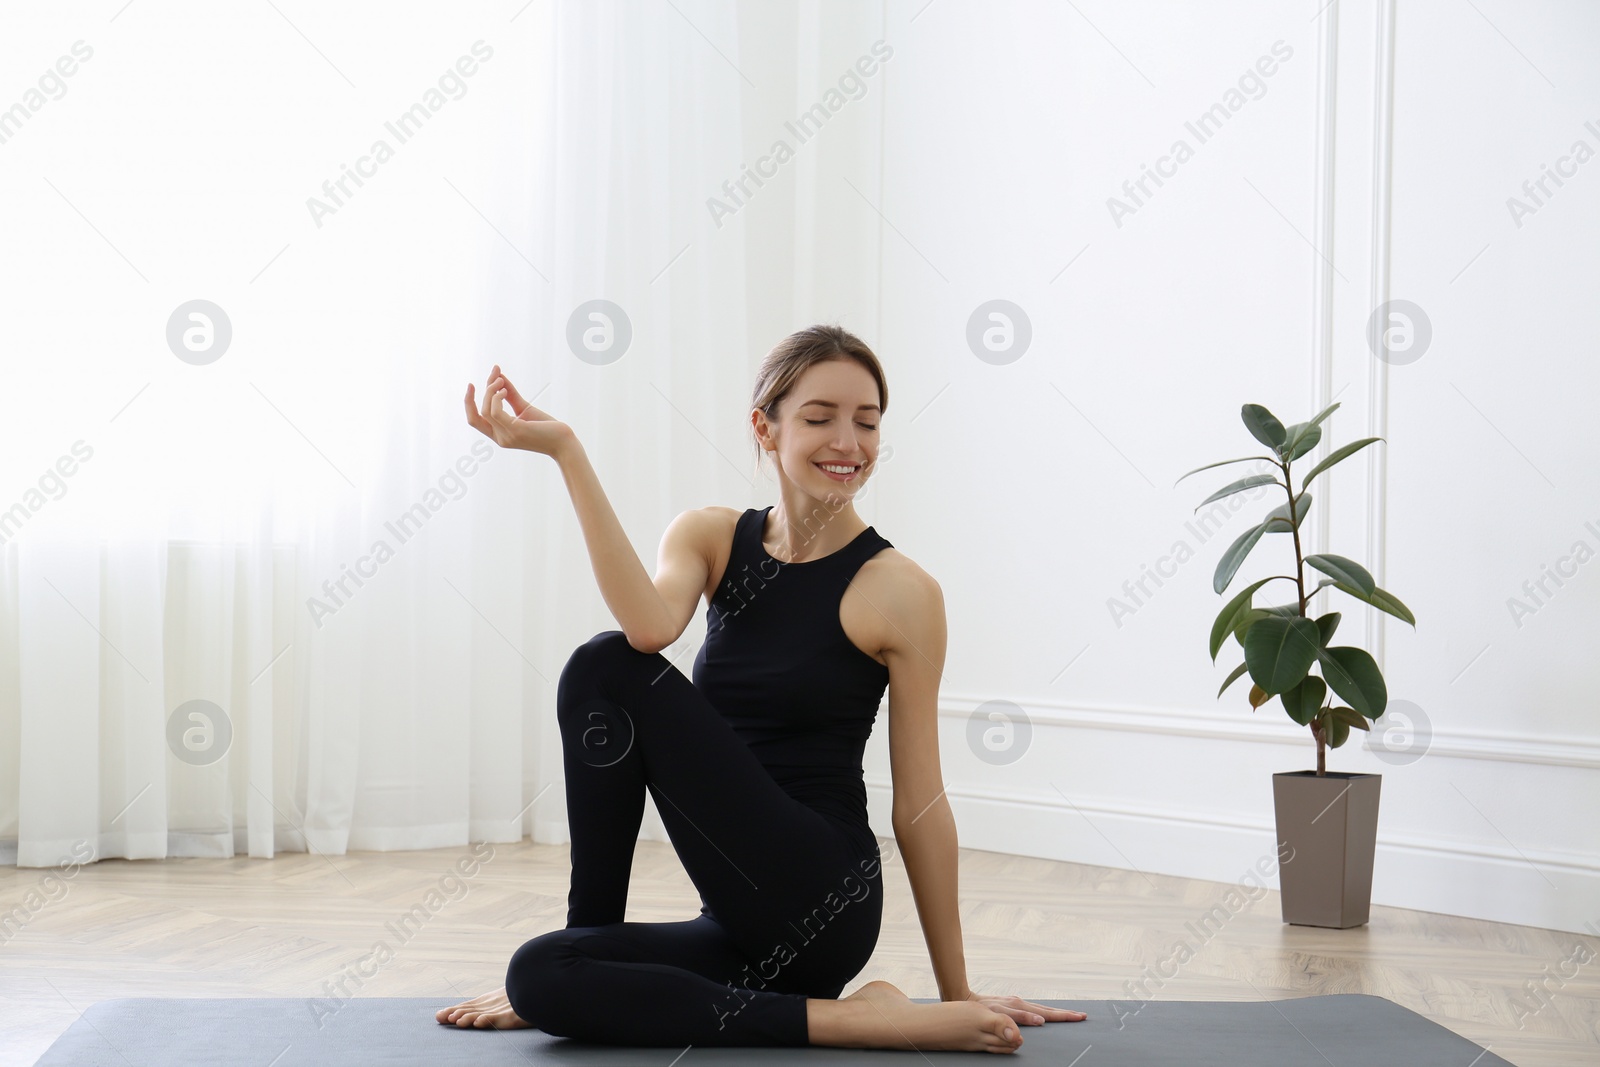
{"points": [[1034, 490]]}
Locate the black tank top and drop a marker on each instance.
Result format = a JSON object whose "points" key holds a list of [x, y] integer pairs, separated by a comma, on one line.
{"points": [[778, 666]]}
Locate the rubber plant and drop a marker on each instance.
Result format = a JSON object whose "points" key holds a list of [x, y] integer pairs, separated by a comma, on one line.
{"points": [[1281, 644]]}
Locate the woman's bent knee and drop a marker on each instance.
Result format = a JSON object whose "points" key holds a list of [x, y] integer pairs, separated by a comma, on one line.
{"points": [[589, 665], [597, 663], [609, 643], [597, 657], [534, 979]]}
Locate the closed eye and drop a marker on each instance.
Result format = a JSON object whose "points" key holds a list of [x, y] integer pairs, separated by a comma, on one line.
{"points": [[819, 422]]}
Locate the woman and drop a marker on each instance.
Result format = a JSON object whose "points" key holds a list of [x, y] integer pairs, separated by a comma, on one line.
{"points": [[755, 765]]}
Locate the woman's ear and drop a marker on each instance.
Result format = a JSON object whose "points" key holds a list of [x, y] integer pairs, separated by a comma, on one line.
{"points": [[763, 429]]}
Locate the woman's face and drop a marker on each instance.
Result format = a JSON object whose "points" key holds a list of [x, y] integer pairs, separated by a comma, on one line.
{"points": [[829, 417]]}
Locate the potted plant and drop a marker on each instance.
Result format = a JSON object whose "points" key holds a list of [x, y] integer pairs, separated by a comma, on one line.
{"points": [[1327, 822]]}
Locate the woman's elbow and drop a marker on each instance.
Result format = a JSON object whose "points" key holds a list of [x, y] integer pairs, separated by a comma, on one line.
{"points": [[642, 643], [646, 643]]}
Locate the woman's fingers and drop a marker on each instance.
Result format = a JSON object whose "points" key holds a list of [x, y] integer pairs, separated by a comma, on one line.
{"points": [[500, 385], [518, 405], [529, 429], [1045, 1013], [1031, 1014], [472, 411], [513, 397], [490, 418], [507, 424], [488, 395]]}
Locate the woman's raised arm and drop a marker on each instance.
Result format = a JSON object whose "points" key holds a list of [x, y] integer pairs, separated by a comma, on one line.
{"points": [[627, 588]]}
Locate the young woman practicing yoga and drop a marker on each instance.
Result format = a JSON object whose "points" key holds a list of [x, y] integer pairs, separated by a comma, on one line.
{"points": [[755, 765]]}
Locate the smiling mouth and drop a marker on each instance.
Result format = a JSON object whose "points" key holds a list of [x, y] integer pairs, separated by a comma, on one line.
{"points": [[837, 476]]}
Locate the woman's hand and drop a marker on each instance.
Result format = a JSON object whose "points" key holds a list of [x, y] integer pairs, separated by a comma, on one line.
{"points": [[530, 429], [1026, 1012]]}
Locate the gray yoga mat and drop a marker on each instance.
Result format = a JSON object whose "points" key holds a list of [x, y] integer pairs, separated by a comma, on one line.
{"points": [[1348, 1030]]}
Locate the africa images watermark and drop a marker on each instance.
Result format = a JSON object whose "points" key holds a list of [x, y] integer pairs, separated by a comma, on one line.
{"points": [[805, 126], [52, 486], [1251, 887], [1166, 566], [403, 527], [1209, 122], [1540, 989], [1566, 167], [52, 888], [51, 82], [404, 127], [1566, 567], [851, 888], [452, 887]]}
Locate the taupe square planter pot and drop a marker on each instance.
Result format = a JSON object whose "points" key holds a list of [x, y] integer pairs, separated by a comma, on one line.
{"points": [[1328, 830]]}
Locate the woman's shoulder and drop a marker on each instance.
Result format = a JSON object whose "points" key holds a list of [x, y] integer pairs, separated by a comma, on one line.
{"points": [[712, 517], [907, 603], [901, 578], [719, 513]]}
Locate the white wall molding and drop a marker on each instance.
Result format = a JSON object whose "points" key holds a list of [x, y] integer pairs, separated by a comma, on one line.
{"points": [[1377, 369], [1322, 265], [1270, 728]]}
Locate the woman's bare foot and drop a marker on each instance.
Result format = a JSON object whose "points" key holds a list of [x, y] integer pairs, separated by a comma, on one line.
{"points": [[492, 1011], [878, 1015]]}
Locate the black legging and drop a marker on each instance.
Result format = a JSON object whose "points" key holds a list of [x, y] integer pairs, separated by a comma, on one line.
{"points": [[792, 900]]}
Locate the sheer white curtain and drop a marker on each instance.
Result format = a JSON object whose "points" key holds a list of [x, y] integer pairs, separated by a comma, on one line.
{"points": [[371, 604]]}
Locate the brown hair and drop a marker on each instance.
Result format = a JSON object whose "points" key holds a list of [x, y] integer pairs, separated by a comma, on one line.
{"points": [[791, 356]]}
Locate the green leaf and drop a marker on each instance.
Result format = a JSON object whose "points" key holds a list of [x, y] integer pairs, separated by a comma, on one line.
{"points": [[1327, 624], [1246, 619], [1304, 701], [1240, 486], [1381, 599], [1277, 520], [1286, 610], [1336, 455], [1229, 615], [1353, 674], [1335, 730], [1224, 463], [1234, 677], [1280, 650], [1302, 438], [1258, 697], [1228, 565], [1352, 718], [1291, 610], [1324, 413], [1343, 570], [1262, 424]]}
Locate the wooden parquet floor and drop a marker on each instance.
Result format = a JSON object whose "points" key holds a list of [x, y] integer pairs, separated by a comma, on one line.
{"points": [[310, 925]]}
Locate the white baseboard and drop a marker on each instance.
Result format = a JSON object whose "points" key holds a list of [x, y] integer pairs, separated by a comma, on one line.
{"points": [[1555, 891]]}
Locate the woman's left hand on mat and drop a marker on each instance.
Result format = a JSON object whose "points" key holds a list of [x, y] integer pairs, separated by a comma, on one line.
{"points": [[1027, 1012]]}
